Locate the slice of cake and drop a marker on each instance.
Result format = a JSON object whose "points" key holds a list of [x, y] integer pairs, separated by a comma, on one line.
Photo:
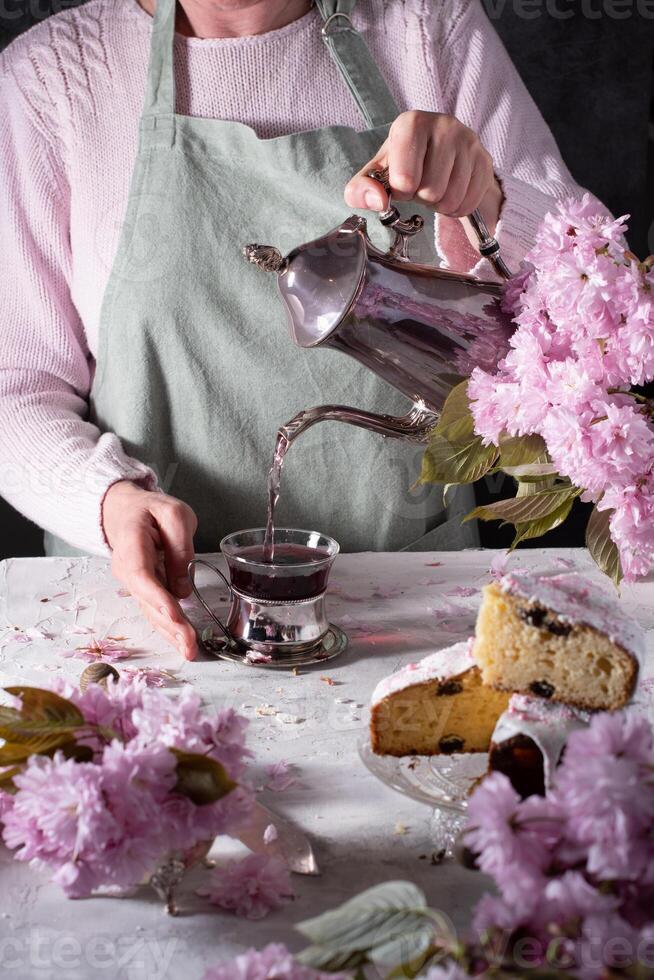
{"points": [[559, 637], [529, 740], [436, 707]]}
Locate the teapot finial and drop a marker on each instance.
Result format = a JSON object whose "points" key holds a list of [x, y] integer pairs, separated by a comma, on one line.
{"points": [[267, 257]]}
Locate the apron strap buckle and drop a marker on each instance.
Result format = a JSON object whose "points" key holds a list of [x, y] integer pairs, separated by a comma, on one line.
{"points": [[349, 26]]}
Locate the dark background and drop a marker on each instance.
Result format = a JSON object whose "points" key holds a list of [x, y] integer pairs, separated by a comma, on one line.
{"points": [[588, 65]]}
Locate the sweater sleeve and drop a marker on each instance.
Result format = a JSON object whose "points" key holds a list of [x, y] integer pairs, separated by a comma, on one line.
{"points": [[484, 91], [55, 466]]}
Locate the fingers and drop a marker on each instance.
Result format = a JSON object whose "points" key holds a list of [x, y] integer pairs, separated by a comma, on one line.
{"points": [[177, 524], [431, 157], [135, 562], [439, 162], [409, 138], [162, 610], [481, 181], [457, 187], [364, 192], [178, 631]]}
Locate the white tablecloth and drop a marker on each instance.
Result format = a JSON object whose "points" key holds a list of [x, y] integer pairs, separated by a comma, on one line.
{"points": [[396, 608]]}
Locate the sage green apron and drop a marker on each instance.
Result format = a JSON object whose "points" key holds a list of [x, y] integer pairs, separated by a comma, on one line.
{"points": [[195, 369]]}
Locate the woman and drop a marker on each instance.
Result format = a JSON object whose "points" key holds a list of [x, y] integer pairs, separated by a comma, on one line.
{"points": [[141, 353]]}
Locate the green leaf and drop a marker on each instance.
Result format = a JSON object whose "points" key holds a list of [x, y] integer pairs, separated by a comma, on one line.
{"points": [[456, 407], [201, 778], [407, 950], [527, 488], [519, 510], [450, 459], [369, 920], [455, 454], [8, 717], [535, 529], [522, 451], [330, 959], [531, 471], [601, 546], [41, 713], [449, 493], [16, 752]]}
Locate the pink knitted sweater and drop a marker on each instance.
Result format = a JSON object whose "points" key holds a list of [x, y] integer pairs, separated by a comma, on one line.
{"points": [[71, 91]]}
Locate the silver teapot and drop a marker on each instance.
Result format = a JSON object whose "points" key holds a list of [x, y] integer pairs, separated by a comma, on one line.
{"points": [[420, 328]]}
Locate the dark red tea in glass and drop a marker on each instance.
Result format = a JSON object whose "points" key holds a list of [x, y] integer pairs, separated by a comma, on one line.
{"points": [[299, 570]]}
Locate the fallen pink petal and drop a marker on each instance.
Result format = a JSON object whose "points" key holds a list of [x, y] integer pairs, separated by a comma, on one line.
{"points": [[279, 777]]}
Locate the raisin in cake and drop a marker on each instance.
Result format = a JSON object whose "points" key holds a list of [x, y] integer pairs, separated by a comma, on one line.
{"points": [[559, 637], [529, 739], [435, 707]]}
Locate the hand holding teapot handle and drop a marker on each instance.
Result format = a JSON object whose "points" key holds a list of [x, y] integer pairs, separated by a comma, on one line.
{"points": [[440, 162]]}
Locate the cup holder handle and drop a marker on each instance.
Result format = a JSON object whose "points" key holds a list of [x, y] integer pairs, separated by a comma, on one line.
{"points": [[191, 571]]}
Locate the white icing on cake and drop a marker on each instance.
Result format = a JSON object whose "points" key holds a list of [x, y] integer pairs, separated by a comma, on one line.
{"points": [[449, 662], [576, 600], [546, 723]]}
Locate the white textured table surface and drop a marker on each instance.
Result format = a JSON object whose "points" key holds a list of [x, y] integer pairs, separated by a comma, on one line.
{"points": [[396, 608]]}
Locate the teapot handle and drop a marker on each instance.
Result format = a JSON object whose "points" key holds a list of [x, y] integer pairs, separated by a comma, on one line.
{"points": [[489, 247]]}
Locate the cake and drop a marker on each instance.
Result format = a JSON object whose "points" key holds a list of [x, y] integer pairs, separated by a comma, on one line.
{"points": [[529, 740], [559, 637], [435, 707]]}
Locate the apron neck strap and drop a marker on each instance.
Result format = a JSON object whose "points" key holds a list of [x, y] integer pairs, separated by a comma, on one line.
{"points": [[160, 90], [353, 59], [345, 45]]}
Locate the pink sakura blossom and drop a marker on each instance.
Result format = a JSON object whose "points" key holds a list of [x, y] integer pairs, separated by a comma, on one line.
{"points": [[607, 792], [497, 567], [279, 776], [111, 708], [493, 403], [274, 961], [516, 286], [580, 862], [153, 676], [270, 834], [111, 820], [181, 723], [492, 912], [102, 651], [570, 896], [631, 525], [604, 940], [251, 887], [585, 334], [512, 838], [461, 590], [90, 825]]}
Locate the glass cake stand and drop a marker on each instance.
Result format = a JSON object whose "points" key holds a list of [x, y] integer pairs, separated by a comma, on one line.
{"points": [[443, 782]]}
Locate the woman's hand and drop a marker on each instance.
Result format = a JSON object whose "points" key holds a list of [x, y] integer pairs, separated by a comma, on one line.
{"points": [[151, 538], [435, 159]]}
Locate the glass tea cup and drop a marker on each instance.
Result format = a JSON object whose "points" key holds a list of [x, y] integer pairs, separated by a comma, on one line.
{"points": [[278, 606]]}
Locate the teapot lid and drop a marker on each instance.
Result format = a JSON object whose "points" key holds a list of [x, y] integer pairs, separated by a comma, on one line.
{"points": [[319, 281]]}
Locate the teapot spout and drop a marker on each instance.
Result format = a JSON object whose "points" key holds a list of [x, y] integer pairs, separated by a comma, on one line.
{"points": [[414, 426]]}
